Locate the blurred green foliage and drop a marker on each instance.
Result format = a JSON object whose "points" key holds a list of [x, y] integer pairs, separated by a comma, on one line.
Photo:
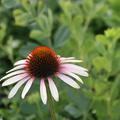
{"points": [[86, 29]]}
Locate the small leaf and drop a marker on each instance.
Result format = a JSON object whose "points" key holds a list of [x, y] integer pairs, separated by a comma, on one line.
{"points": [[61, 35], [115, 88], [10, 3], [2, 31], [21, 18], [26, 49], [38, 35], [74, 112], [50, 18], [115, 109], [102, 39], [100, 107], [27, 108], [102, 63]]}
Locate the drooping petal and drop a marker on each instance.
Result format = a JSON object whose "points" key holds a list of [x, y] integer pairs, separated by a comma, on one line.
{"points": [[68, 80], [16, 68], [82, 73], [43, 91], [53, 89], [75, 69], [20, 62], [14, 79], [16, 87], [27, 87], [13, 74], [73, 75], [71, 61], [69, 58], [79, 68]]}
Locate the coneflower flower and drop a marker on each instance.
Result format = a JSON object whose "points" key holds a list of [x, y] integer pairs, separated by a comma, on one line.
{"points": [[43, 63]]}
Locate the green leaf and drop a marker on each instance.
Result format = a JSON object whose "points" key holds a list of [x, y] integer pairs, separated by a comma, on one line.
{"points": [[100, 107], [27, 108], [115, 109], [2, 31], [26, 49], [45, 24], [10, 3], [73, 111], [21, 17], [113, 33], [115, 90], [29, 6], [33, 98], [38, 35], [102, 39], [50, 18], [101, 63], [116, 62], [79, 99], [61, 35]]}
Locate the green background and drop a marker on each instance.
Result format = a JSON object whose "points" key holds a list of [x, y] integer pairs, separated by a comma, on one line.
{"points": [[86, 29]]}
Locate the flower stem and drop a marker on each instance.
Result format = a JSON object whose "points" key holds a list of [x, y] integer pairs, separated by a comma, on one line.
{"points": [[51, 104], [39, 111]]}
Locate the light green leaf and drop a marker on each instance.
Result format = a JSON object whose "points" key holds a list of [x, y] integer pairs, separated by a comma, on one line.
{"points": [[102, 63], [61, 35], [2, 31], [73, 111], [102, 39], [115, 109], [10, 3], [26, 49], [38, 35], [21, 18]]}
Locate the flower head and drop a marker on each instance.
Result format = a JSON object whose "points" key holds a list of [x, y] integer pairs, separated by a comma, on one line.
{"points": [[43, 63]]}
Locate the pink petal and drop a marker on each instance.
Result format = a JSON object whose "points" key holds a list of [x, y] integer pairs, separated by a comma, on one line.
{"points": [[20, 62], [70, 61], [16, 87], [68, 80], [43, 91], [15, 79], [53, 89], [27, 87], [16, 68], [69, 58], [14, 73], [74, 76], [74, 68]]}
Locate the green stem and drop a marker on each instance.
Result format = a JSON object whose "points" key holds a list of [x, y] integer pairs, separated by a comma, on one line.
{"points": [[51, 104], [39, 111]]}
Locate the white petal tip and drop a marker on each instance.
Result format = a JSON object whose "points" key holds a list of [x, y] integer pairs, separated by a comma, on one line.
{"points": [[22, 96], [87, 74], [4, 84], [8, 72], [81, 60], [44, 102], [86, 69], [1, 79], [57, 99], [77, 87], [81, 81], [9, 97]]}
